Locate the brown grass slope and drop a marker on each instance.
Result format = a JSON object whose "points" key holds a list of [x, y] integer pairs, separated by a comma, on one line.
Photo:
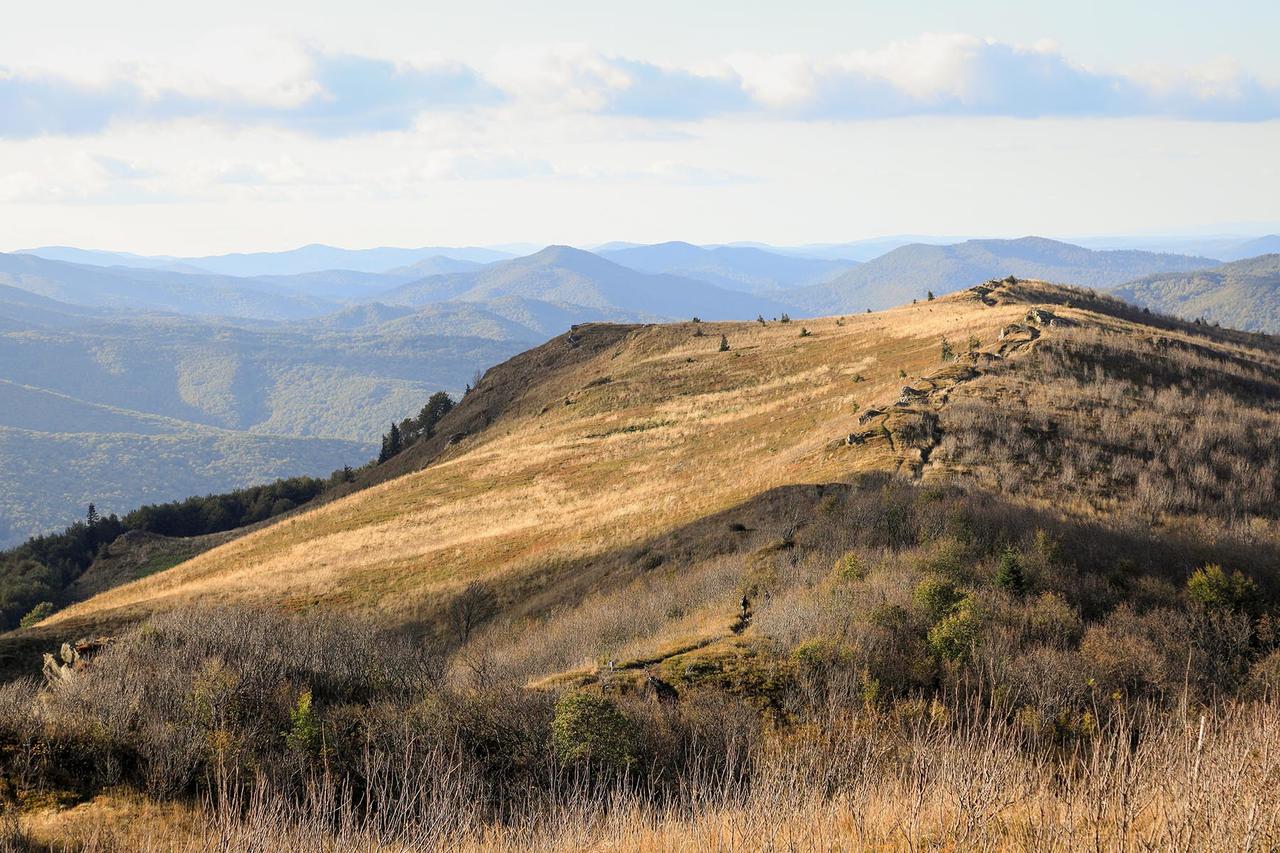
{"points": [[569, 461]]}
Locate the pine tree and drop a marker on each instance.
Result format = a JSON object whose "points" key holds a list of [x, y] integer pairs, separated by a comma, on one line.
{"points": [[724, 344], [1010, 575], [92, 517], [929, 298], [395, 443]]}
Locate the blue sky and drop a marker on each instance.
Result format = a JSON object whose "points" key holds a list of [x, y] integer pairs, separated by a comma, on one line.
{"points": [[227, 126]]}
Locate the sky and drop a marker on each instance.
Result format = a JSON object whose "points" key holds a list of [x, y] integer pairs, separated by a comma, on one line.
{"points": [[198, 128]]}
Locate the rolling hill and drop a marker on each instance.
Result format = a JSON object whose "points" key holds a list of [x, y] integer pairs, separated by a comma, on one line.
{"points": [[997, 553], [741, 268], [571, 278], [596, 455], [909, 272], [1243, 295]]}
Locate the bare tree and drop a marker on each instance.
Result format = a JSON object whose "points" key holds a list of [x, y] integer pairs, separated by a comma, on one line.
{"points": [[469, 608]]}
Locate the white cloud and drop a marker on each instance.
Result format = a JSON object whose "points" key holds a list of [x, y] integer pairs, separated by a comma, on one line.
{"points": [[329, 95]]}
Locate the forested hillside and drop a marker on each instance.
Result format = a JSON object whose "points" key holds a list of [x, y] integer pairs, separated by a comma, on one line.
{"points": [[1243, 295]]}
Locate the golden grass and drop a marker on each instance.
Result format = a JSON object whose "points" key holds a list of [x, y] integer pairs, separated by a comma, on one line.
{"points": [[536, 492], [1197, 780]]}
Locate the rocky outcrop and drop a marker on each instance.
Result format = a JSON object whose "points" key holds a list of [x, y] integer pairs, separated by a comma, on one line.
{"points": [[71, 658]]}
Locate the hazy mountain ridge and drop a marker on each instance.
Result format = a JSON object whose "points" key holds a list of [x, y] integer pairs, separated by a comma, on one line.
{"points": [[564, 276], [150, 290], [910, 272], [315, 257], [744, 268]]}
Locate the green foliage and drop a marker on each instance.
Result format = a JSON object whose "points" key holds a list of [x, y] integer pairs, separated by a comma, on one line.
{"points": [[849, 568], [1010, 575], [591, 728], [1212, 587], [304, 728], [930, 296], [785, 318], [937, 597], [954, 637], [948, 354], [392, 443], [724, 343], [36, 614]]}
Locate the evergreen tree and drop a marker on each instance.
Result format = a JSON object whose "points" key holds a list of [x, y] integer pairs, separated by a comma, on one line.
{"points": [[724, 344], [92, 518], [395, 441], [438, 405], [1010, 575]]}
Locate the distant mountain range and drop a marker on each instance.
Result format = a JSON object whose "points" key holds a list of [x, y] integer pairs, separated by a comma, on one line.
{"points": [[742, 268], [910, 272], [305, 259], [567, 277], [1221, 248], [112, 364], [1241, 295]]}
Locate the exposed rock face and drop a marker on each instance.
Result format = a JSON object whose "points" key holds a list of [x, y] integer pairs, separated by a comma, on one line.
{"points": [[1018, 330], [71, 657], [910, 395], [869, 414]]}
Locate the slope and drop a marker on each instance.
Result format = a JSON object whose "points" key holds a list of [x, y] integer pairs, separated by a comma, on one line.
{"points": [[569, 480], [911, 271], [1242, 295]]}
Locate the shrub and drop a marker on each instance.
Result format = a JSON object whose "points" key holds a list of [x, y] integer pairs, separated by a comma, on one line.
{"points": [[1212, 587], [1052, 620], [937, 597], [849, 568], [304, 729], [591, 728], [36, 614], [948, 354], [804, 333], [724, 343], [955, 636]]}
